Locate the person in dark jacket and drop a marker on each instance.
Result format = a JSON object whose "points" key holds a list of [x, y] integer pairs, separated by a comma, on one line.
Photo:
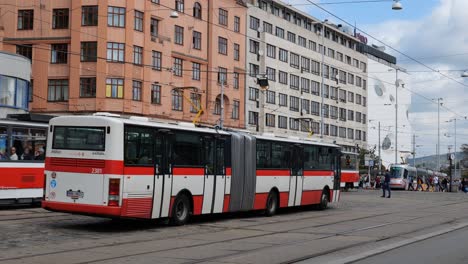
{"points": [[386, 185]]}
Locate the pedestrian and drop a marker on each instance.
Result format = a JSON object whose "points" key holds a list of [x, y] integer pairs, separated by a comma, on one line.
{"points": [[419, 183], [377, 182], [13, 155], [436, 183], [410, 183], [444, 185], [464, 185], [386, 185]]}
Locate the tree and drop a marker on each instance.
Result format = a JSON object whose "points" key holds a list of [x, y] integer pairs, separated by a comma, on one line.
{"points": [[464, 161]]}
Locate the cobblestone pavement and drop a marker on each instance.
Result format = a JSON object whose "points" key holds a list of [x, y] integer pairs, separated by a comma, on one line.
{"points": [[360, 221]]}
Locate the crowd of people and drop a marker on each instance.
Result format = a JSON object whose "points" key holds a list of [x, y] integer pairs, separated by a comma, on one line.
{"points": [[26, 154]]}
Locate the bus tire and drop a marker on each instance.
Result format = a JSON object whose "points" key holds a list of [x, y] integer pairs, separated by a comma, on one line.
{"points": [[180, 210], [324, 198], [271, 203]]}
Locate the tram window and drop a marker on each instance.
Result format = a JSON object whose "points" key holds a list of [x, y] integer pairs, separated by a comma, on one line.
{"points": [[29, 143], [263, 154], [3, 143], [187, 149], [311, 158], [138, 146], [280, 155]]}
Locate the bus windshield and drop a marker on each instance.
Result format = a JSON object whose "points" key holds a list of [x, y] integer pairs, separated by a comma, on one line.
{"points": [[396, 172], [79, 138], [349, 162]]}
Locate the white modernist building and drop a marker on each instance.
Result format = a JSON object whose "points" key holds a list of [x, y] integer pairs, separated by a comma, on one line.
{"points": [[284, 44], [382, 108]]}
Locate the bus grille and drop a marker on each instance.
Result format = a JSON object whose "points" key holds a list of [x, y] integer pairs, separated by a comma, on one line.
{"points": [[88, 163]]}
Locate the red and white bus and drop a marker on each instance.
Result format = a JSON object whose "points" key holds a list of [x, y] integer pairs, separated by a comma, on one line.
{"points": [[22, 151], [349, 170], [136, 168]]}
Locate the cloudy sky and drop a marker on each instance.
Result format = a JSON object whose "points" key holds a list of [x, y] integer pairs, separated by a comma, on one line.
{"points": [[434, 32]]}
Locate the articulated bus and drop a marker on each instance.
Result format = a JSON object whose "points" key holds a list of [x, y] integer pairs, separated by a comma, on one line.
{"points": [[22, 153], [349, 170], [117, 167]]}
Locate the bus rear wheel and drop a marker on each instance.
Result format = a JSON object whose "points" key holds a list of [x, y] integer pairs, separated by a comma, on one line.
{"points": [[271, 204], [180, 210]]}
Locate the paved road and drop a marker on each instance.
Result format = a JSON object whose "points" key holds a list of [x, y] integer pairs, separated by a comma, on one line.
{"points": [[361, 222], [448, 248]]}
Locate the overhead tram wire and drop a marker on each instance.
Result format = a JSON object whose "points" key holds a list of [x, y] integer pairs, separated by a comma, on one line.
{"points": [[394, 49]]}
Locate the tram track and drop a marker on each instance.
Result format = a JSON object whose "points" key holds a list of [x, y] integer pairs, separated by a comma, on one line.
{"points": [[220, 228]]}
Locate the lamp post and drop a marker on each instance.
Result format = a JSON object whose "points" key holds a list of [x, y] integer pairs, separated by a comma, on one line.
{"points": [[397, 84], [438, 132]]}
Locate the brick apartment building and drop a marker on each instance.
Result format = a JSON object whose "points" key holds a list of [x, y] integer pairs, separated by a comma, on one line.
{"points": [[132, 57]]}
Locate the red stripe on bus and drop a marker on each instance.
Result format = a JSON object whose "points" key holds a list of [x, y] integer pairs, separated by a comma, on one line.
{"points": [[137, 207], [197, 204], [227, 199], [82, 208], [273, 173], [110, 166], [188, 171], [318, 173], [311, 197], [17, 178], [139, 171], [260, 201], [284, 199]]}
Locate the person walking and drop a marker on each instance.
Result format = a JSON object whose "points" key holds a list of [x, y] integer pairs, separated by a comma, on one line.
{"points": [[410, 183], [377, 182], [436, 183], [464, 185], [444, 185], [386, 185]]}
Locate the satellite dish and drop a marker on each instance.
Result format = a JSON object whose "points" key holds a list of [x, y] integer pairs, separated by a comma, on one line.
{"points": [[379, 88], [261, 53], [260, 29], [387, 143]]}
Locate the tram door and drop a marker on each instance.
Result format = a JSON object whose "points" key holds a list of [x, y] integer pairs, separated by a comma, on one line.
{"points": [[215, 175], [162, 174], [297, 176]]}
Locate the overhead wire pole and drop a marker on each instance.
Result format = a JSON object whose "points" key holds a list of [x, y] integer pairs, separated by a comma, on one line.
{"points": [[396, 115]]}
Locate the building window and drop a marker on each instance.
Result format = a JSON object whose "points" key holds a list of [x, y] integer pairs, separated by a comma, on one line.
{"points": [[315, 108], [294, 103], [138, 20], [88, 87], [305, 106], [196, 102], [267, 27], [326, 91], [178, 65], [155, 94], [342, 114], [358, 134], [364, 101], [179, 6], [283, 99], [235, 109], [334, 93], [88, 51], [294, 60], [236, 24], [342, 95], [253, 94], [305, 125], [59, 53], [222, 46], [223, 17], [302, 41], [350, 133], [115, 52], [271, 97], [116, 16], [156, 61], [279, 32], [222, 76], [291, 37], [89, 15], [254, 23], [155, 1], [60, 18], [282, 122], [364, 118], [24, 50], [196, 40], [358, 99], [154, 27], [315, 67], [197, 10], [271, 51], [179, 35], [196, 71], [25, 19], [342, 76], [333, 112], [177, 100], [283, 77], [294, 82], [293, 124], [315, 90], [305, 64], [270, 120], [358, 117], [312, 45], [333, 131], [217, 107], [253, 118], [254, 70], [350, 97], [342, 132], [358, 81], [136, 91], [326, 110], [114, 88], [350, 115], [254, 46], [271, 74], [236, 80], [236, 52], [31, 94], [283, 55], [305, 85], [58, 90], [137, 55], [364, 84]]}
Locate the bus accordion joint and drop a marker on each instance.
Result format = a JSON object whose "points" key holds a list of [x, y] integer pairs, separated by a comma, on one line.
{"points": [[114, 191]]}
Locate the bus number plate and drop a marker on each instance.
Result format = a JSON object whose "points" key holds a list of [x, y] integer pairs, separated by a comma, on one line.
{"points": [[75, 194], [96, 171]]}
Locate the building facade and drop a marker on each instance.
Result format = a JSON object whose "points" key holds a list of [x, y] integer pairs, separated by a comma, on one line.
{"points": [[15, 75], [132, 57], [284, 44], [382, 112]]}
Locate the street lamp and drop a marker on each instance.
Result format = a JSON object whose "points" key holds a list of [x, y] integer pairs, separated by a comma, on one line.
{"points": [[464, 74], [397, 5], [397, 84], [438, 131]]}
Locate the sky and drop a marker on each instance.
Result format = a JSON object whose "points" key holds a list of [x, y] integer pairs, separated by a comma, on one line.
{"points": [[434, 32]]}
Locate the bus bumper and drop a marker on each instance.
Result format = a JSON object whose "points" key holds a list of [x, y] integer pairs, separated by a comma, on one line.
{"points": [[85, 209]]}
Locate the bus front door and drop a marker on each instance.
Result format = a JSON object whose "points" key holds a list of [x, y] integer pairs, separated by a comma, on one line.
{"points": [[297, 177], [162, 175], [215, 175]]}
